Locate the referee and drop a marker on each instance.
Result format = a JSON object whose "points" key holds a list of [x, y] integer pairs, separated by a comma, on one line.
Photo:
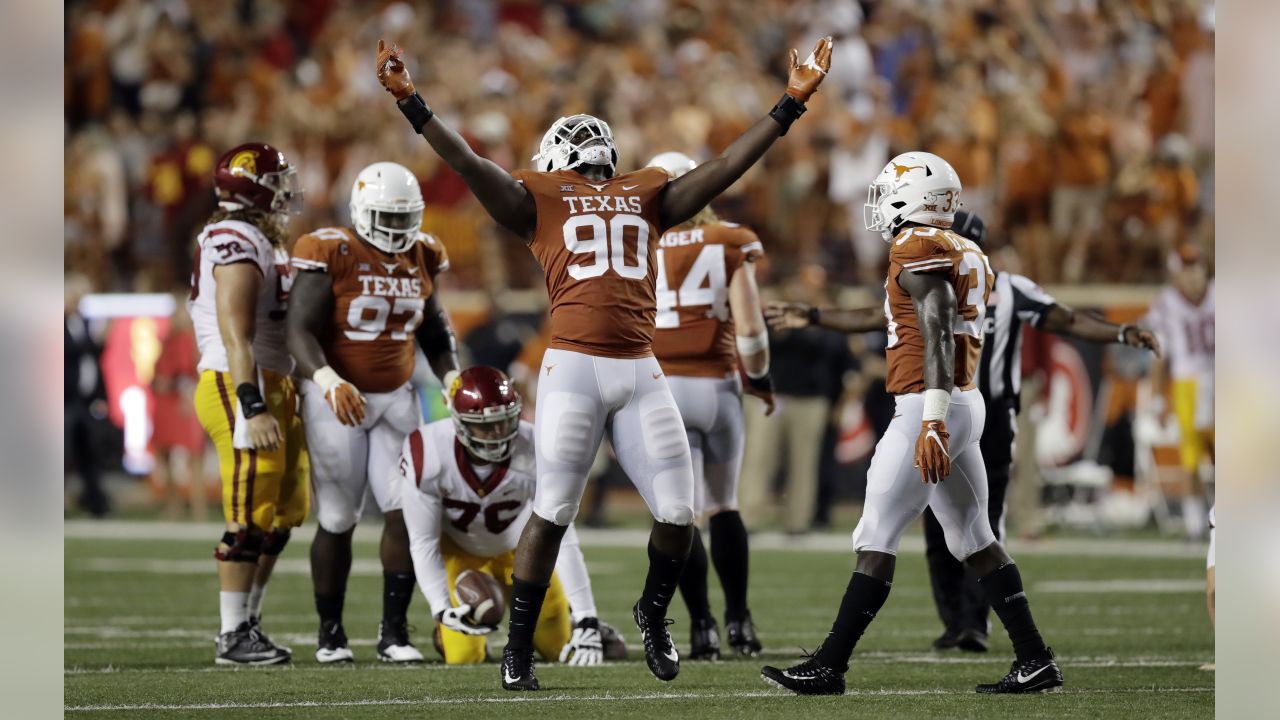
{"points": [[1013, 301]]}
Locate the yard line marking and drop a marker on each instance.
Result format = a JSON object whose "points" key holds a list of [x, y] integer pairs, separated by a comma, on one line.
{"points": [[609, 697], [1155, 585]]}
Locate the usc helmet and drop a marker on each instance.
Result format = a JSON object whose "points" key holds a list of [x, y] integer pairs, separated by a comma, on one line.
{"points": [[915, 187], [486, 412], [675, 163], [257, 175], [386, 206], [575, 140]]}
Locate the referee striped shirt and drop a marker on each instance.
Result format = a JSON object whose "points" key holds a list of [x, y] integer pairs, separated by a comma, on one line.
{"points": [[1014, 300]]}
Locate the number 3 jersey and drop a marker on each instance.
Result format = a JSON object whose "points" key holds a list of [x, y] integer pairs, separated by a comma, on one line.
{"points": [[694, 335], [596, 242], [942, 252], [225, 243], [378, 301], [482, 510]]}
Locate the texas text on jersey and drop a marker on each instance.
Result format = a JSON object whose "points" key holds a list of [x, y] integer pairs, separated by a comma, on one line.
{"points": [[378, 302], [935, 251], [605, 232], [694, 327]]}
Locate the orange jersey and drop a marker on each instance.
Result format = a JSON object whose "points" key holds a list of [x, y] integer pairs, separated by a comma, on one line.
{"points": [[931, 250], [695, 328], [378, 301], [597, 244]]}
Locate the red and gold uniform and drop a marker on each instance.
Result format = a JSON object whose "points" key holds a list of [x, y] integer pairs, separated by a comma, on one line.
{"points": [[379, 299], [597, 242]]}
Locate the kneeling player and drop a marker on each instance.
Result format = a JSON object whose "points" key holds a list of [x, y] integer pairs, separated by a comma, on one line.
{"points": [[468, 493]]}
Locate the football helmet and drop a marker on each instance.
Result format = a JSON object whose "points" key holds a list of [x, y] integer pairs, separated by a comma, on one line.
{"points": [[486, 412], [675, 163], [386, 206], [575, 140], [917, 187], [256, 175]]}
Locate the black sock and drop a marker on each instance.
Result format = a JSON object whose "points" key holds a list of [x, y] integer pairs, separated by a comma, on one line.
{"points": [[397, 592], [1004, 590], [862, 599], [729, 555], [693, 580], [526, 605], [329, 606], [660, 583]]}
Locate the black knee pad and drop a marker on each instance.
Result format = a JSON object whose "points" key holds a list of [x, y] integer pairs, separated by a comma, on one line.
{"points": [[243, 546], [274, 542]]}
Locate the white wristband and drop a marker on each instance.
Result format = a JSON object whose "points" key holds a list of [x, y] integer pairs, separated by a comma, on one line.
{"points": [[327, 378], [752, 344], [936, 403]]}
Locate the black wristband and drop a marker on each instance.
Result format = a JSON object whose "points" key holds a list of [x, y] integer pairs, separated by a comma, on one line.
{"points": [[763, 384], [814, 315], [415, 110], [787, 111], [251, 402]]}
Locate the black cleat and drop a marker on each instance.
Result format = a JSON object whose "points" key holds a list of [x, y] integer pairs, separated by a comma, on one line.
{"points": [[394, 645], [810, 677], [659, 652], [245, 646], [517, 670], [948, 640], [972, 641], [742, 636], [1036, 675], [331, 645], [704, 640], [255, 624]]}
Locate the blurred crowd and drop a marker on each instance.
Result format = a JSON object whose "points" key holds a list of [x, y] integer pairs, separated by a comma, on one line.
{"points": [[1082, 130]]}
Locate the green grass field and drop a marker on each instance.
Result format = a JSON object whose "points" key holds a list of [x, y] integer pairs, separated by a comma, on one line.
{"points": [[1126, 619]]}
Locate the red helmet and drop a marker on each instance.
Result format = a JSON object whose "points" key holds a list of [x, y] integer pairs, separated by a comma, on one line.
{"points": [[256, 175], [486, 412]]}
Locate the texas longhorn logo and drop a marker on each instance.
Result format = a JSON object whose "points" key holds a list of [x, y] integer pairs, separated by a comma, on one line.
{"points": [[245, 161], [904, 169]]}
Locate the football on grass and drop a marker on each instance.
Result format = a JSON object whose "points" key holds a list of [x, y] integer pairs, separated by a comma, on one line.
{"points": [[483, 594]]}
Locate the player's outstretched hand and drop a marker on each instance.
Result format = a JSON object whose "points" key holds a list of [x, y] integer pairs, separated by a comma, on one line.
{"points": [[264, 432], [804, 79], [347, 403], [585, 647], [457, 618], [392, 73], [933, 452], [786, 316], [1142, 338]]}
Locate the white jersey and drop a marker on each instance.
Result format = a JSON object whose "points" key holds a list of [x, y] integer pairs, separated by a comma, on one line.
{"points": [[482, 510], [233, 241], [1186, 332]]}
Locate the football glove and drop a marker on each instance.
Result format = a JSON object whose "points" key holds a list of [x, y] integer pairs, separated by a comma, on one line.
{"points": [[804, 79], [585, 647], [458, 619], [392, 73], [933, 451], [343, 397]]}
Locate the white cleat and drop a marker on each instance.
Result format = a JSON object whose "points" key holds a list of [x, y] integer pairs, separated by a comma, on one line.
{"points": [[394, 645]]}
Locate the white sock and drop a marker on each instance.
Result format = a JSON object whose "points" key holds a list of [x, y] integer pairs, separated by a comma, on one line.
{"points": [[1194, 516], [254, 604], [233, 610]]}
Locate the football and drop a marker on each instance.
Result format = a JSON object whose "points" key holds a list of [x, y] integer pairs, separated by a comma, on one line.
{"points": [[483, 594]]}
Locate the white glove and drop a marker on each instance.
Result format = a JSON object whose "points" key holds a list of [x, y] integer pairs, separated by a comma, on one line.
{"points": [[457, 618], [585, 647]]}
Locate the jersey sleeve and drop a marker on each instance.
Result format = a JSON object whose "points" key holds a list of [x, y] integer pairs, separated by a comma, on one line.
{"points": [[424, 518], [313, 253], [435, 257], [1030, 302], [226, 245], [571, 568], [922, 251]]}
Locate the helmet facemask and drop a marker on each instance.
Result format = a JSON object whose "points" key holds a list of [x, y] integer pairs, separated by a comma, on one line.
{"points": [[577, 140], [391, 230], [287, 189], [489, 435]]}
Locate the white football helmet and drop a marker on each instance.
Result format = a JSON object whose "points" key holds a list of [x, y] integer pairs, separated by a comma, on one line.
{"points": [[915, 187], [577, 139], [675, 163], [386, 206]]}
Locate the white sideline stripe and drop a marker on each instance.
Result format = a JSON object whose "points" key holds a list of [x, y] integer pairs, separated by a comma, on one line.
{"points": [[1181, 585], [582, 698], [635, 538]]}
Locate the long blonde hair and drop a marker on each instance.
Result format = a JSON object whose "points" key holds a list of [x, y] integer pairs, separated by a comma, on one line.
{"points": [[269, 223], [705, 216]]}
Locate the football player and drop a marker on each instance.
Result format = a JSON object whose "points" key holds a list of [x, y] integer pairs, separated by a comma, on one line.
{"points": [[468, 486], [937, 292], [709, 324], [1014, 300], [595, 234], [1183, 317], [245, 398], [363, 295]]}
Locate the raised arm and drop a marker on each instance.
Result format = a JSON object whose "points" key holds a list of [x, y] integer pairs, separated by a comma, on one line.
{"points": [[691, 192], [503, 197], [782, 316], [935, 304]]}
